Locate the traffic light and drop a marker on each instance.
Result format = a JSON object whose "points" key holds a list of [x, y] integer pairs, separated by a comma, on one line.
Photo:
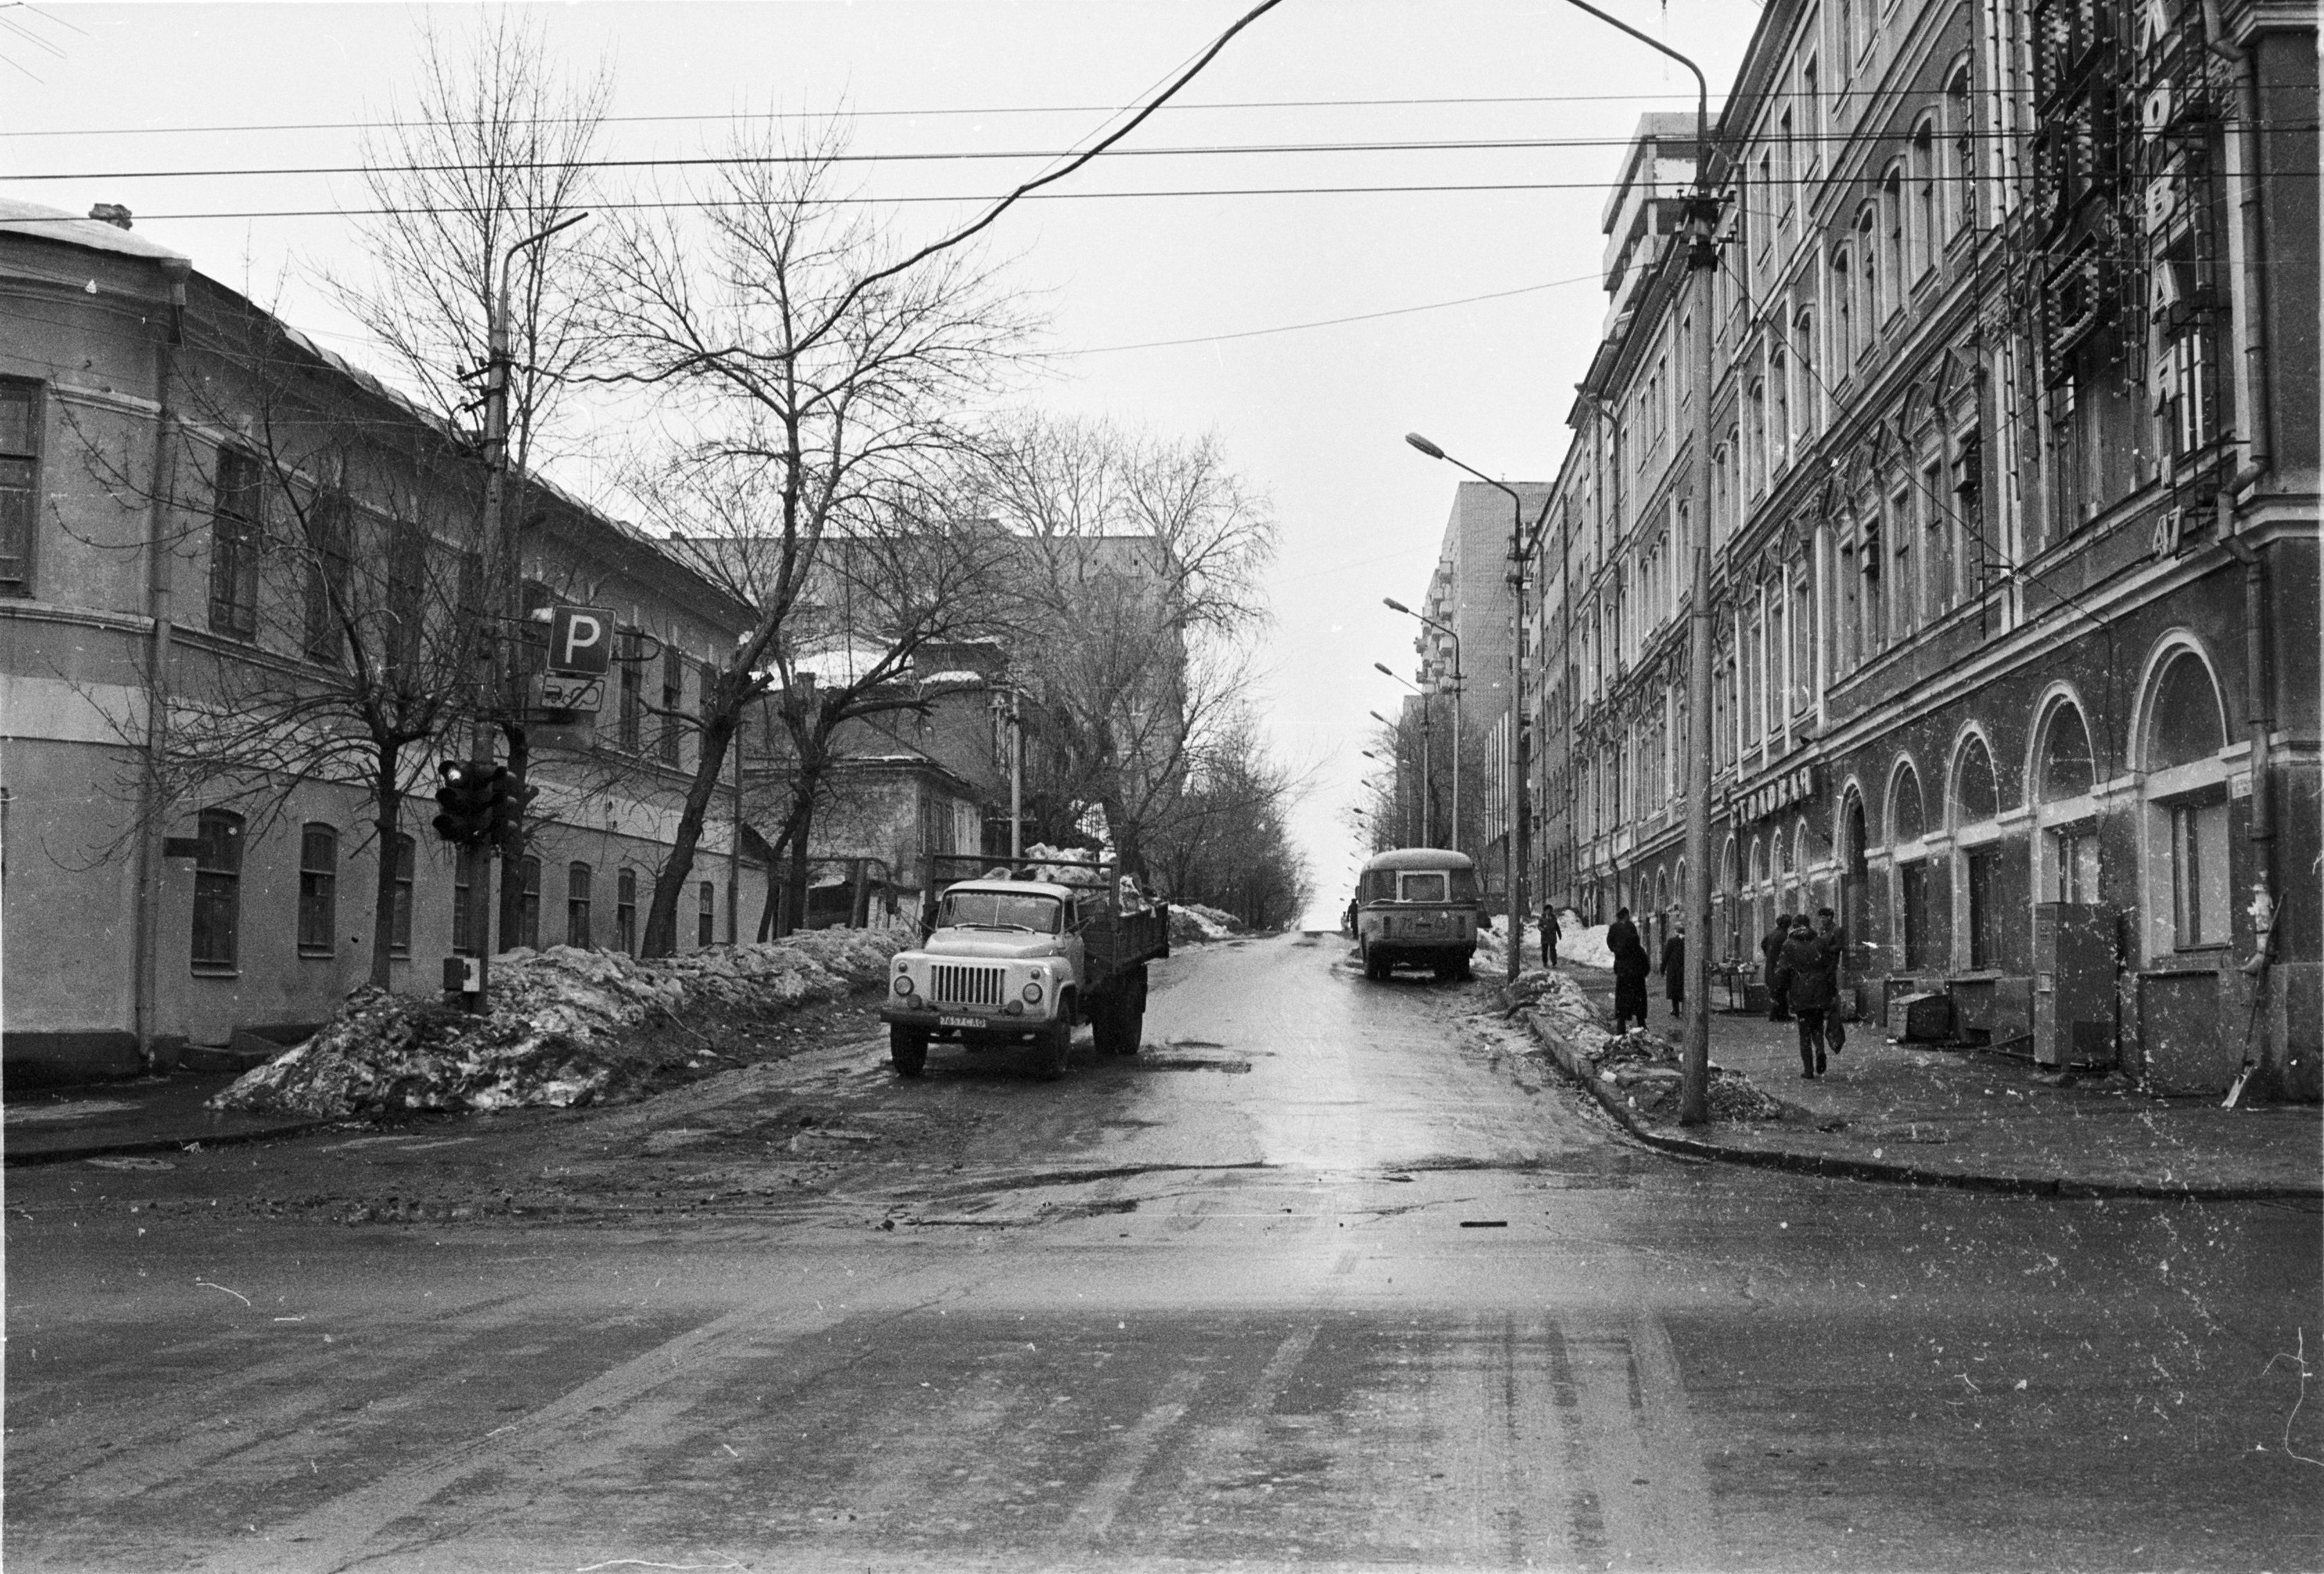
{"points": [[507, 797], [467, 817]]}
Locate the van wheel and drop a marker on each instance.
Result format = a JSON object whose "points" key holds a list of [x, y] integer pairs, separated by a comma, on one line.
{"points": [[908, 1050]]}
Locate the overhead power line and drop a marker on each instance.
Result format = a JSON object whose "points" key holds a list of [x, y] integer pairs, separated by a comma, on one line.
{"points": [[1335, 321]]}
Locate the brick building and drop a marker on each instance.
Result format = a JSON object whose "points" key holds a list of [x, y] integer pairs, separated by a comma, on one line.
{"points": [[2013, 505]]}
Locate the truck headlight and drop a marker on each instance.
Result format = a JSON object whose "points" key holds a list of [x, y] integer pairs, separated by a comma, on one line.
{"points": [[1033, 993], [903, 984]]}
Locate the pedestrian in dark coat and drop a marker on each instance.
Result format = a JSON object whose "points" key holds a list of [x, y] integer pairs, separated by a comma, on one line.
{"points": [[1834, 941], [1675, 969], [1549, 934], [1771, 947], [1804, 967], [1631, 967]]}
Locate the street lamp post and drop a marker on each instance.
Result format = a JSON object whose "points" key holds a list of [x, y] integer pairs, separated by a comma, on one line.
{"points": [[1701, 224], [1459, 679], [1427, 773], [1512, 857]]}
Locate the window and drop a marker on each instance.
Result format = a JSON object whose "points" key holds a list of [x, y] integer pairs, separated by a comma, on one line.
{"points": [[1959, 164], [406, 853], [318, 886], [236, 538], [1936, 539], [673, 695], [528, 904], [705, 919], [1979, 865], [330, 569], [633, 694], [626, 912], [2074, 853], [2069, 774], [1901, 601], [2199, 873], [1868, 281], [1926, 241], [1843, 317], [20, 484], [217, 890], [1779, 382], [1913, 911], [577, 905], [1804, 354], [1802, 628], [1893, 279]]}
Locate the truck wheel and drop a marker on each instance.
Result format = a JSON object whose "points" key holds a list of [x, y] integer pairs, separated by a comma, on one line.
{"points": [[908, 1050], [1053, 1048], [1134, 1026]]}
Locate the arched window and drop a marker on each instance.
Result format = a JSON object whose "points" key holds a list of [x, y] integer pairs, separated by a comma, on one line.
{"points": [[217, 890], [1961, 163], [2066, 773], [1974, 802], [1868, 277], [1927, 242], [2184, 735], [1803, 354], [1779, 419], [1843, 317], [1726, 904], [1854, 870], [1893, 278], [1910, 871]]}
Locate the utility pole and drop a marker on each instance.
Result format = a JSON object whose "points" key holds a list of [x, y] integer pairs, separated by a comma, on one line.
{"points": [[1699, 251], [502, 542]]}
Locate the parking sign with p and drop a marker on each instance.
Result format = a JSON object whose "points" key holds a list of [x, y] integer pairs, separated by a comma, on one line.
{"points": [[581, 640]]}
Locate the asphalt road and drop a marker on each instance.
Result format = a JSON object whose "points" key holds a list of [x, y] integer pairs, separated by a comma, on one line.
{"points": [[1333, 1274]]}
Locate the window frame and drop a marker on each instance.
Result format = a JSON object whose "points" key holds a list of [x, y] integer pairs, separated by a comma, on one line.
{"points": [[625, 909], [25, 488], [237, 543], [215, 946], [404, 848], [318, 891], [580, 897], [705, 926]]}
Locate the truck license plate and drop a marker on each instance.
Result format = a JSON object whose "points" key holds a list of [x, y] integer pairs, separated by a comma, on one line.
{"points": [[960, 1022]]}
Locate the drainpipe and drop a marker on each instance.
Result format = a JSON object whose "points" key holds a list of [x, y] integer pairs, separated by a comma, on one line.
{"points": [[153, 798]]}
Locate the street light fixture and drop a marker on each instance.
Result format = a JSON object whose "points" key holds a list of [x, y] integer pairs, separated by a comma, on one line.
{"points": [[1459, 679], [1427, 838], [1520, 550]]}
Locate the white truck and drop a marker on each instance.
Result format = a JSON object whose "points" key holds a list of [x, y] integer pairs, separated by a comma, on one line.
{"points": [[1011, 957]]}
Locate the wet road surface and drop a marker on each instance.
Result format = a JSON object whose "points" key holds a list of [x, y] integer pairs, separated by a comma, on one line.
{"points": [[1334, 1275]]}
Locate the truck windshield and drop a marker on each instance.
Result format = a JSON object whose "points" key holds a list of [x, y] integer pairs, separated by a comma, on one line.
{"points": [[1000, 910]]}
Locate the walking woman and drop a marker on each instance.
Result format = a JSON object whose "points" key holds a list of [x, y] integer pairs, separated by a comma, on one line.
{"points": [[1631, 965]]}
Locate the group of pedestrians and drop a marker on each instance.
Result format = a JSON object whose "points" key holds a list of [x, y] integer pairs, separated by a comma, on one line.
{"points": [[1801, 962], [1632, 964]]}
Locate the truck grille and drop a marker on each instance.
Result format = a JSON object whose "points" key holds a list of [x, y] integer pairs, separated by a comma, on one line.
{"points": [[953, 986]]}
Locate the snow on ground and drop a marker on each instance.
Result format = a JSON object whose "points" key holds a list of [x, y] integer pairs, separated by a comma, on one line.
{"points": [[564, 1027], [1194, 924]]}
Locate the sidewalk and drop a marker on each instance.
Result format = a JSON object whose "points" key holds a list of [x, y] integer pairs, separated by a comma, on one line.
{"points": [[142, 1115], [1966, 1117]]}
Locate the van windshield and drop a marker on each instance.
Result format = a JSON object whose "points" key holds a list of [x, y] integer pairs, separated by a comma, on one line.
{"points": [[1027, 911]]}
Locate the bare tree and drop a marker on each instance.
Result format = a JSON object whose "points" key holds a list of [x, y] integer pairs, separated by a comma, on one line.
{"points": [[808, 387], [1137, 597], [1225, 842]]}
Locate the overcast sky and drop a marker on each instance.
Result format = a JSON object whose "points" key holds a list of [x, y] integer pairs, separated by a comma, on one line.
{"points": [[113, 97]]}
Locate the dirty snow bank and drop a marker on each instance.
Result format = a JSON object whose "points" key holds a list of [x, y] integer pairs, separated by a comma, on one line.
{"points": [[1642, 1066], [567, 1027], [1194, 924]]}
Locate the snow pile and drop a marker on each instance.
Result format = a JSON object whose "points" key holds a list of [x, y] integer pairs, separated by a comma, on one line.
{"points": [[1194, 924], [566, 1027], [1641, 1066]]}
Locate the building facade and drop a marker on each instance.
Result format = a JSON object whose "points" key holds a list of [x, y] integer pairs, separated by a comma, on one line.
{"points": [[2011, 498], [206, 519]]}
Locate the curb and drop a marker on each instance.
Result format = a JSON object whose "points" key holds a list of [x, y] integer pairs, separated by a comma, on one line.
{"points": [[1581, 1071], [101, 1149]]}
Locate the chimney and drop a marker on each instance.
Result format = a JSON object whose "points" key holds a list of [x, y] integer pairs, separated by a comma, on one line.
{"points": [[111, 213]]}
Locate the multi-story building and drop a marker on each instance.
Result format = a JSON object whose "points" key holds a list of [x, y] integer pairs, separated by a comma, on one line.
{"points": [[1469, 609], [210, 529], [2012, 494]]}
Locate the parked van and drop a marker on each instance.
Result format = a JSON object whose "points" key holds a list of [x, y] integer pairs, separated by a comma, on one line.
{"points": [[1418, 907]]}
